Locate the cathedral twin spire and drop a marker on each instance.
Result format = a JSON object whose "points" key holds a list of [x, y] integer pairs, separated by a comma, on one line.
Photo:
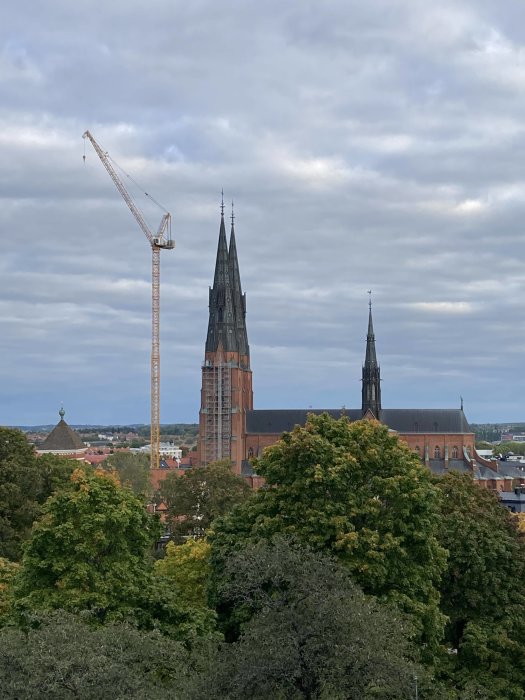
{"points": [[227, 303]]}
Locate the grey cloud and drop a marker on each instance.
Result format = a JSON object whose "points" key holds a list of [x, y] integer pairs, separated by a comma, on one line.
{"points": [[365, 146]]}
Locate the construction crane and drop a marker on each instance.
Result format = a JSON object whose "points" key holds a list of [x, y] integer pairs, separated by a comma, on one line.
{"points": [[161, 241]]}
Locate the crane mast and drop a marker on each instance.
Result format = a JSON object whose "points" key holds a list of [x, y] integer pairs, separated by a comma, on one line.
{"points": [[161, 241]]}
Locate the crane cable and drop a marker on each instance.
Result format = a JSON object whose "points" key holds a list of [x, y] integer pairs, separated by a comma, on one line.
{"points": [[137, 184]]}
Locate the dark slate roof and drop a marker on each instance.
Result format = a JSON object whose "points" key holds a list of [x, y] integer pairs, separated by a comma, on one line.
{"points": [[458, 465], [61, 438], [482, 472], [403, 420], [511, 470], [277, 421], [425, 420]]}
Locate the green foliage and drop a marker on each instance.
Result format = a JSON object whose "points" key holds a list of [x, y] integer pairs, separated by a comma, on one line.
{"points": [[486, 559], [187, 566], [55, 474], [91, 551], [505, 448], [25, 483], [88, 550], [133, 471], [64, 658], [482, 588], [357, 491], [8, 571], [19, 491], [309, 632], [195, 499]]}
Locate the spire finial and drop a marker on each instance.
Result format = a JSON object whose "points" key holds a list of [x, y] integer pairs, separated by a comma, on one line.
{"points": [[222, 202], [461, 399], [233, 215], [369, 298], [61, 413]]}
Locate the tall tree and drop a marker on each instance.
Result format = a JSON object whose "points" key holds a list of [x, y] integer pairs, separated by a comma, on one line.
{"points": [[197, 498], [482, 588], [133, 470], [91, 551], [8, 571], [25, 483], [357, 491], [309, 632], [187, 568], [19, 491], [63, 657], [88, 550]]}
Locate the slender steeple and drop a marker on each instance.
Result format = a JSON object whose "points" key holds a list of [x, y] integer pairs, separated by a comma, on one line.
{"points": [[221, 326], [239, 299], [371, 390]]}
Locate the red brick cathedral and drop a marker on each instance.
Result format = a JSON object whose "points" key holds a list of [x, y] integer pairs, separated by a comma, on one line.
{"points": [[226, 393], [230, 429]]}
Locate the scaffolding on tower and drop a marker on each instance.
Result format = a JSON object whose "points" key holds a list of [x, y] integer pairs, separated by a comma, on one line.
{"points": [[217, 411]]}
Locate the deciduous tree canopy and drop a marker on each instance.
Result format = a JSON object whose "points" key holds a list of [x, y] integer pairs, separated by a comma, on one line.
{"points": [[25, 483], [355, 490], [309, 632], [133, 470], [88, 550], [196, 498], [482, 587]]}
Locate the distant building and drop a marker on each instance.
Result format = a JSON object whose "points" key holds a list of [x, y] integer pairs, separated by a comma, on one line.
{"points": [[166, 449], [63, 440]]}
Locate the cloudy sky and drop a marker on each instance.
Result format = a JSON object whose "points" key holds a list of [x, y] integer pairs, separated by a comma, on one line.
{"points": [[374, 145]]}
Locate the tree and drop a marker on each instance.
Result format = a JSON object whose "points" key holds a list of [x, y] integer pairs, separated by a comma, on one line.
{"points": [[187, 567], [19, 489], [89, 549], [64, 657], [355, 490], [310, 630], [133, 470], [25, 483], [482, 587], [55, 474], [198, 497], [8, 571]]}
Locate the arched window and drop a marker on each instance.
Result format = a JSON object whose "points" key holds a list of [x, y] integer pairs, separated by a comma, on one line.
{"points": [[437, 452], [417, 449], [250, 452], [455, 452]]}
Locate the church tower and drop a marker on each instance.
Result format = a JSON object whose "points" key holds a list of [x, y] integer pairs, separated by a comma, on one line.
{"points": [[371, 397], [226, 392]]}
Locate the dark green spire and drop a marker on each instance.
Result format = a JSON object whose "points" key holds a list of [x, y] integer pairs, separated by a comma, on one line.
{"points": [[221, 326], [370, 356], [371, 390], [239, 299]]}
